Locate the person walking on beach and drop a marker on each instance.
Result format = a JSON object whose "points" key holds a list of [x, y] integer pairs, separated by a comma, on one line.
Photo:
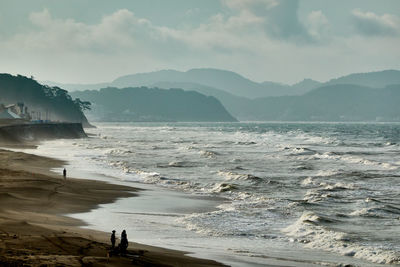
{"points": [[124, 242], [65, 173], [113, 239]]}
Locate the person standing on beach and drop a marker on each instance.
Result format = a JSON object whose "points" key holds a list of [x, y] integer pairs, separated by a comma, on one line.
{"points": [[113, 239], [124, 242], [65, 173]]}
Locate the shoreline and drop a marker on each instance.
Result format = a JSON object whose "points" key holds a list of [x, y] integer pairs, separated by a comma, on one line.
{"points": [[34, 227]]}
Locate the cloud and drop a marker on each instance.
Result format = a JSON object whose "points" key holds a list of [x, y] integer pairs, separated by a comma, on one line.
{"points": [[371, 24], [220, 32], [119, 30], [250, 4], [318, 25], [263, 40], [280, 17]]}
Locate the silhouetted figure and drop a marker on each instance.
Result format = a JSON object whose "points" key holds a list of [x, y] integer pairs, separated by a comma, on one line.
{"points": [[113, 239], [65, 173], [124, 242]]}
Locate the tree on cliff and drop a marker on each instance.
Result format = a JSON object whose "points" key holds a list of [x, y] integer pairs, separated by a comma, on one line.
{"points": [[55, 102]]}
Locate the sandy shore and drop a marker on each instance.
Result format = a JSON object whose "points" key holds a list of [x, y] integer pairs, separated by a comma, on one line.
{"points": [[34, 231]]}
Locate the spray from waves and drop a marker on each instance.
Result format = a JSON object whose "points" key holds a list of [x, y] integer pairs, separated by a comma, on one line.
{"points": [[180, 164], [119, 152], [233, 176], [298, 151], [209, 153], [236, 218], [323, 190], [349, 159], [313, 230], [378, 210], [224, 187], [326, 185]]}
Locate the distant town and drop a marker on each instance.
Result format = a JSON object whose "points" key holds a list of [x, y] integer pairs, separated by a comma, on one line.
{"points": [[19, 111]]}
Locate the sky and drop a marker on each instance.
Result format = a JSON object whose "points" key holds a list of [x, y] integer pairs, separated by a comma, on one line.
{"points": [[91, 41]]}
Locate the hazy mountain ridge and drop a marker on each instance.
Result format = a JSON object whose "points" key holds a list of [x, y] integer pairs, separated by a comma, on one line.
{"points": [[278, 107], [332, 103], [377, 79], [153, 104], [227, 81], [236, 84]]}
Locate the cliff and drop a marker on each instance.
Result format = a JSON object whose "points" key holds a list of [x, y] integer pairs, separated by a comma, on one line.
{"points": [[43, 102], [20, 133]]}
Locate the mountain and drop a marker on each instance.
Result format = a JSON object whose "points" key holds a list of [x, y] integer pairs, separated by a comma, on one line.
{"points": [[341, 102], [305, 86], [42, 101], [378, 79], [224, 80], [235, 105], [227, 81], [236, 84], [153, 104], [245, 99]]}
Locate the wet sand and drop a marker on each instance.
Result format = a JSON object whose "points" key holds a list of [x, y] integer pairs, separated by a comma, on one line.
{"points": [[34, 231]]}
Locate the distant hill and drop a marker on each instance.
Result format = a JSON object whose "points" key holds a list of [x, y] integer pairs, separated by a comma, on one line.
{"points": [[227, 81], [248, 100], [331, 103], [235, 105], [43, 101], [236, 84], [223, 80], [152, 104], [305, 86], [378, 79]]}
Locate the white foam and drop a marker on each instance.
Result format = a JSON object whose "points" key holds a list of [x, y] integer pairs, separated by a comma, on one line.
{"points": [[307, 230]]}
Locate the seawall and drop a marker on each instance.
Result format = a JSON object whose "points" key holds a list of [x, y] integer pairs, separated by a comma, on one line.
{"points": [[42, 131]]}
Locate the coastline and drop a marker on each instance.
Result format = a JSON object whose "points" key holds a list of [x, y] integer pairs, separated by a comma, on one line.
{"points": [[34, 229]]}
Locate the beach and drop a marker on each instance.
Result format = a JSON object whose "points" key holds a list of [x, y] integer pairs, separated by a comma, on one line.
{"points": [[248, 194], [34, 230]]}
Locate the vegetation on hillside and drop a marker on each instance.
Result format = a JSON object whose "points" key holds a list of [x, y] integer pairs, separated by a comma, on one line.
{"points": [[153, 104], [43, 102]]}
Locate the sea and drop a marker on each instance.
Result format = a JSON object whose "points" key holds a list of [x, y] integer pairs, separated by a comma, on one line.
{"points": [[249, 194]]}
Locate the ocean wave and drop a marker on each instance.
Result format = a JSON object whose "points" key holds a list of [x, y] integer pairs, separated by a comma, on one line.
{"points": [[349, 159], [382, 211], [304, 167], [208, 153], [297, 151], [310, 230], [309, 181], [321, 191], [232, 176], [224, 187], [236, 218], [300, 151], [179, 164], [246, 143], [338, 186], [117, 152], [327, 186]]}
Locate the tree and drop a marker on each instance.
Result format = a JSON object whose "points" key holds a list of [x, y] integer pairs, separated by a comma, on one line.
{"points": [[82, 105]]}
